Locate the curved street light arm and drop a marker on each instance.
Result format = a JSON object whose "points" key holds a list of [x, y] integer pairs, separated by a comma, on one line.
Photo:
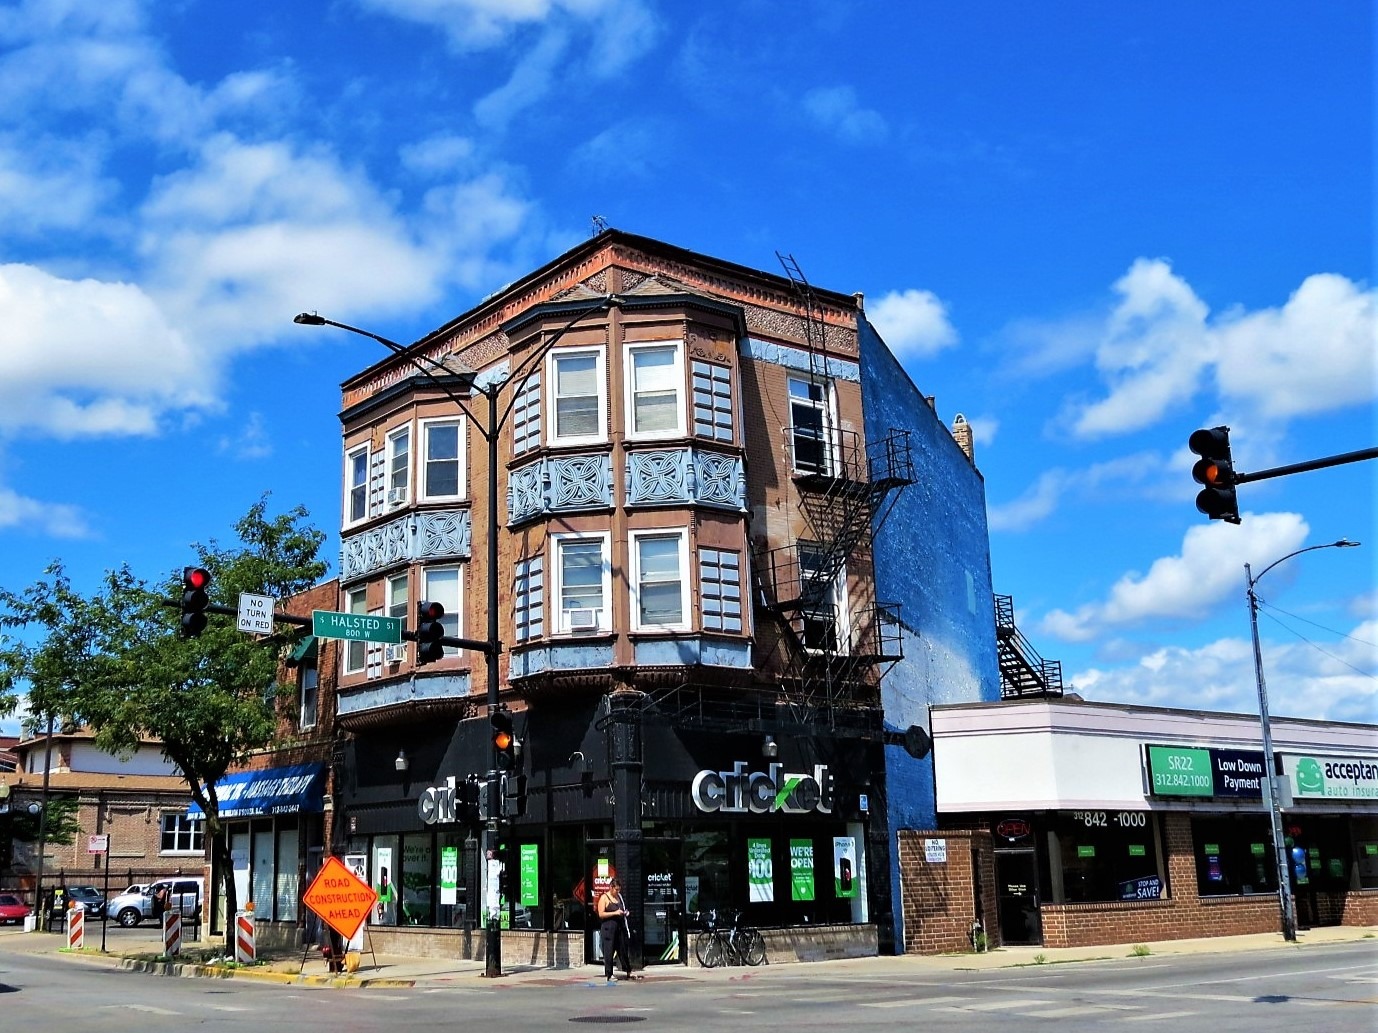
{"points": [[1343, 543]]}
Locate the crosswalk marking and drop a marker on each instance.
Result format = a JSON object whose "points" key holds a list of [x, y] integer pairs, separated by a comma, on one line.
{"points": [[1070, 1012], [1158, 1017], [1005, 1005], [917, 1002]]}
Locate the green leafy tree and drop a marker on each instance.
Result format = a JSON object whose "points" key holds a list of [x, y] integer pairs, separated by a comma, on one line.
{"points": [[207, 699]]}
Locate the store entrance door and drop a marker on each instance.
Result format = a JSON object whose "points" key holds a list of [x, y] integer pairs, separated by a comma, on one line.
{"points": [[657, 904], [1016, 876]]}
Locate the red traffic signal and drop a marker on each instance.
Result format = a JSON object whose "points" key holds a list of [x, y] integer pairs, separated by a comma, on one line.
{"points": [[196, 582], [429, 632], [1215, 469]]}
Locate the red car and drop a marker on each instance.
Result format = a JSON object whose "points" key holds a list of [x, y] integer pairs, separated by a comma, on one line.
{"points": [[12, 909]]}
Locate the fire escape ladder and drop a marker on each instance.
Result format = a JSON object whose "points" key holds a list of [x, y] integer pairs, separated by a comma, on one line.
{"points": [[1023, 673]]}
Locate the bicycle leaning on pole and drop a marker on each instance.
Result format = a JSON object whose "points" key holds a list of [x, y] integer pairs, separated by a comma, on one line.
{"points": [[732, 944]]}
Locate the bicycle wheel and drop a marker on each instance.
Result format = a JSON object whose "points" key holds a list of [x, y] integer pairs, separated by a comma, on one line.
{"points": [[752, 946], [707, 949]]}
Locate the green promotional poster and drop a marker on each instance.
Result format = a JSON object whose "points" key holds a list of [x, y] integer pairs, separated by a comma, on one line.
{"points": [[760, 871], [845, 874], [449, 875], [801, 869], [530, 876]]}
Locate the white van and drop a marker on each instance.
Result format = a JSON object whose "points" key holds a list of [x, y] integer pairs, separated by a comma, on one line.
{"points": [[185, 894]]}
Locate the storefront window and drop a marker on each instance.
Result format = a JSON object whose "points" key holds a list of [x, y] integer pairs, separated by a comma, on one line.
{"points": [[285, 899], [1234, 855], [1365, 849], [416, 880], [1106, 856], [383, 869]]}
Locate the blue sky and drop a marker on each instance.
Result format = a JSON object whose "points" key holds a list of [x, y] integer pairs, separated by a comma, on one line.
{"points": [[1090, 228]]}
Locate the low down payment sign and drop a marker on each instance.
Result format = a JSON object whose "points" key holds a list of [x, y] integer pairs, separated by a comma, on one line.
{"points": [[340, 898]]}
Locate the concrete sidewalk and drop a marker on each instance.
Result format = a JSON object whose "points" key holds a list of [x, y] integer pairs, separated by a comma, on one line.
{"points": [[393, 971]]}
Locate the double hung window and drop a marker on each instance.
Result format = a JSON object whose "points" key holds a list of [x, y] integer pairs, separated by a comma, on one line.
{"points": [[442, 585], [442, 471], [356, 653], [579, 386], [811, 422], [356, 484], [399, 465], [308, 691], [655, 390], [821, 588], [583, 582], [659, 561]]}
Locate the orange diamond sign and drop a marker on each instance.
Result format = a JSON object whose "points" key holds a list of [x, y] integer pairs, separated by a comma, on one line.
{"points": [[340, 898]]}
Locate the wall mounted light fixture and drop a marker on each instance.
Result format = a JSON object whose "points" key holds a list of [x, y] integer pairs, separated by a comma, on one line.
{"points": [[401, 763], [770, 749]]}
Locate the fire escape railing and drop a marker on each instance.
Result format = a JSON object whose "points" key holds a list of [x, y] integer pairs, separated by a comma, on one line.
{"points": [[1023, 672]]}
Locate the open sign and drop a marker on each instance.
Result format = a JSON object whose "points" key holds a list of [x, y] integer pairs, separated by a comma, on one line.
{"points": [[1012, 828]]}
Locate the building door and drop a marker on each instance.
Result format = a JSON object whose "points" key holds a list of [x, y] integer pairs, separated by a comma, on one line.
{"points": [[662, 901], [1016, 878]]}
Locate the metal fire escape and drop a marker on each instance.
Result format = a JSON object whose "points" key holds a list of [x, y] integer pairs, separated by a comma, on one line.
{"points": [[1023, 673], [847, 488]]}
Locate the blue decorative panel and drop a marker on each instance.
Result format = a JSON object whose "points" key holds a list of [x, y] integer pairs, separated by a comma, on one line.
{"points": [[719, 480], [526, 493], [685, 476], [677, 652], [404, 690], [572, 656], [798, 358], [657, 478], [580, 482], [712, 395], [432, 535]]}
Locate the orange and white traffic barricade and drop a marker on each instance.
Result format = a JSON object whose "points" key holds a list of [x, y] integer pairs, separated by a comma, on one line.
{"points": [[244, 937], [76, 928], [172, 932]]}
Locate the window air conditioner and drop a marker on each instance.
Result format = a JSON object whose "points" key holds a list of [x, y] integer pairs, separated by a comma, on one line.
{"points": [[583, 618], [395, 653], [397, 496]]}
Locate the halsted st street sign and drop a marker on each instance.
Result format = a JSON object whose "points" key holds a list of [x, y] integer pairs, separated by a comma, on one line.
{"points": [[358, 627]]}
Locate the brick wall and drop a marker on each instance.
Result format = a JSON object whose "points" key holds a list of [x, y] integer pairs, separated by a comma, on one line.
{"points": [[939, 897]]}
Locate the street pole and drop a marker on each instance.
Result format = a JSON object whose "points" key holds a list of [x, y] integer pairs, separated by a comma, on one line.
{"points": [[492, 958], [43, 824], [1286, 901], [1286, 905]]}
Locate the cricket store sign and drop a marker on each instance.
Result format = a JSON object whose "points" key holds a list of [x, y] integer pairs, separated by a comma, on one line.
{"points": [[763, 792], [1332, 777]]}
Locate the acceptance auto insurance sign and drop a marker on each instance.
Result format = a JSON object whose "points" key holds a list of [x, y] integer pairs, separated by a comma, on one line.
{"points": [[1331, 777]]}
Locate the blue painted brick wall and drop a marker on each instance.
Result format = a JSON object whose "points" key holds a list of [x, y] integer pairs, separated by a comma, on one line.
{"points": [[932, 556]]}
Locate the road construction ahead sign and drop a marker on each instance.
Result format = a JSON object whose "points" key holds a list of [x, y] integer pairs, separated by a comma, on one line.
{"points": [[340, 898]]}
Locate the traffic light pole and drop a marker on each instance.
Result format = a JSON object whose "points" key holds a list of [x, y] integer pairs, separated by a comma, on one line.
{"points": [[1311, 464], [492, 954]]}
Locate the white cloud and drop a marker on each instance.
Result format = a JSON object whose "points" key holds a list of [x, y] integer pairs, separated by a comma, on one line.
{"points": [[1041, 498], [1189, 585], [250, 442], [1333, 681], [836, 109], [530, 80], [55, 519], [48, 185], [438, 155], [983, 429], [913, 323], [83, 357], [1159, 347]]}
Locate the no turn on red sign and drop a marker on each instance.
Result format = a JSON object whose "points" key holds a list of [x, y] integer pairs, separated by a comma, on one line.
{"points": [[340, 898]]}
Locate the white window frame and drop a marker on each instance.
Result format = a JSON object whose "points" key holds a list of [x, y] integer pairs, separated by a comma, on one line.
{"points": [[192, 829], [423, 459], [453, 621], [828, 410], [308, 696], [395, 476], [556, 612], [629, 409], [836, 597], [356, 601], [552, 408], [682, 538], [350, 519]]}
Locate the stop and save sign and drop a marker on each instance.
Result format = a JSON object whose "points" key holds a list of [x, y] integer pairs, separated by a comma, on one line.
{"points": [[340, 898]]}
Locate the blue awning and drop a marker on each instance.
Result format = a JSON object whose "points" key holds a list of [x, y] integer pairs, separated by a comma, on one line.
{"points": [[251, 794]]}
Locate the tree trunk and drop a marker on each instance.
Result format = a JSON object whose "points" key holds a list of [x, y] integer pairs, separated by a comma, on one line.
{"points": [[222, 863]]}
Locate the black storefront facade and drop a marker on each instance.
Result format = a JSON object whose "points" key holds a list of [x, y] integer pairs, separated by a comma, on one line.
{"points": [[690, 814]]}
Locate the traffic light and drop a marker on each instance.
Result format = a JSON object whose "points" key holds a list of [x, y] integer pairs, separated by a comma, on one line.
{"points": [[506, 748], [429, 632], [468, 795], [1215, 469], [195, 583], [516, 796]]}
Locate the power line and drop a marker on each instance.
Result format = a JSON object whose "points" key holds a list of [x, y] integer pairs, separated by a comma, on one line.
{"points": [[1346, 663]]}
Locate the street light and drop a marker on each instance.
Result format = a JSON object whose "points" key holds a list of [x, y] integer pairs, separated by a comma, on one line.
{"points": [[1286, 903], [490, 432]]}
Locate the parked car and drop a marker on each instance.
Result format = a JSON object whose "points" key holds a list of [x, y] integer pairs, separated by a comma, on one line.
{"points": [[88, 897], [12, 909], [129, 909]]}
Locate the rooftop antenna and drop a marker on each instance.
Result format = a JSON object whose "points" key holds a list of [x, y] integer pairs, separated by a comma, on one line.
{"points": [[600, 224]]}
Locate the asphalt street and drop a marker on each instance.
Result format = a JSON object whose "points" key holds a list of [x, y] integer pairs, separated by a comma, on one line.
{"points": [[1327, 987]]}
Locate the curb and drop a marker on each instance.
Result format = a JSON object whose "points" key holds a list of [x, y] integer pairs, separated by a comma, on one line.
{"points": [[194, 971]]}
